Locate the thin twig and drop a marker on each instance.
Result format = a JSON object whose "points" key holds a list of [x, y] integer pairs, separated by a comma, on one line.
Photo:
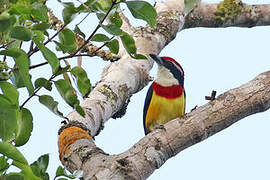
{"points": [[35, 93], [38, 65], [83, 18], [71, 56], [103, 45], [31, 47], [5, 45], [49, 40], [4, 59], [61, 58]]}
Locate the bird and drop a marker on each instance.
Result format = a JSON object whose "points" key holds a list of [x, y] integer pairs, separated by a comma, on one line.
{"points": [[166, 98]]}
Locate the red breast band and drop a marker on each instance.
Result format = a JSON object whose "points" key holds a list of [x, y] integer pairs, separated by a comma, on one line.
{"points": [[170, 92]]}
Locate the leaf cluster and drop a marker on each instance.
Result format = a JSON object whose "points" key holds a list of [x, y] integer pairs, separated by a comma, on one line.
{"points": [[25, 24]]}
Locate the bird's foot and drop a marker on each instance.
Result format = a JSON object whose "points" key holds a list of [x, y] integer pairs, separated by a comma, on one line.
{"points": [[159, 126]]}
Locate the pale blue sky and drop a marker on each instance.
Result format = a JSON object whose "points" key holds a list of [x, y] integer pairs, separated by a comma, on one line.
{"points": [[213, 59]]}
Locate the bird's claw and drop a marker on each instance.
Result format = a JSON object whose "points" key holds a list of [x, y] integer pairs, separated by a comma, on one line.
{"points": [[159, 126]]}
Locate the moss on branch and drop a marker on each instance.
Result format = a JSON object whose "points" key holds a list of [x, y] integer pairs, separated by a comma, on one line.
{"points": [[227, 11]]}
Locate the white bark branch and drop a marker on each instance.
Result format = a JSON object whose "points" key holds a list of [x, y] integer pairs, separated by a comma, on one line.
{"points": [[228, 15], [127, 76]]}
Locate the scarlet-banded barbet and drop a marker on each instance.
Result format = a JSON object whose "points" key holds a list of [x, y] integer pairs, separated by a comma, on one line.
{"points": [[166, 98]]}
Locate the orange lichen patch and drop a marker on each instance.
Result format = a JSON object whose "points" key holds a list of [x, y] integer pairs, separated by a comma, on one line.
{"points": [[67, 137]]}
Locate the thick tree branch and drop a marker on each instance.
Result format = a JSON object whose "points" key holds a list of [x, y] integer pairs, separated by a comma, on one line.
{"points": [[228, 13], [153, 150], [127, 76]]}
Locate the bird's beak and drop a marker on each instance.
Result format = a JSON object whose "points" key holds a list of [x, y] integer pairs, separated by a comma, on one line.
{"points": [[157, 59]]}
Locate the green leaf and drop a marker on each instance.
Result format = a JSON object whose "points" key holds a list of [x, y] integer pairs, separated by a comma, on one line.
{"points": [[61, 172], [116, 19], [67, 37], [79, 110], [100, 16], [139, 56], [42, 82], [40, 12], [42, 163], [12, 152], [21, 33], [21, 9], [4, 165], [48, 55], [10, 92], [16, 79], [128, 43], [6, 21], [67, 41], [22, 62], [15, 176], [100, 38], [143, 10], [69, 12], [113, 46], [8, 118], [103, 5], [62, 70], [67, 92], [38, 35], [112, 29], [87, 7], [41, 26], [39, 167], [78, 31], [82, 80], [190, 5], [26, 170], [52, 105], [24, 127], [4, 76], [13, 1]]}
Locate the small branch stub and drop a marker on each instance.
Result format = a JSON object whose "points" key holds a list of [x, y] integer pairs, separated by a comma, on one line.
{"points": [[212, 97]]}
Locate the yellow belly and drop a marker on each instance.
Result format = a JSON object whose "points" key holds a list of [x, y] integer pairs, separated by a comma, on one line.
{"points": [[161, 110]]}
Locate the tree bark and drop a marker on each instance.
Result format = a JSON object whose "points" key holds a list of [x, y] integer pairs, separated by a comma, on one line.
{"points": [[228, 15], [127, 76], [151, 152]]}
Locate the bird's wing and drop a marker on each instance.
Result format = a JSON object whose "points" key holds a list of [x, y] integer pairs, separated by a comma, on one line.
{"points": [[185, 101], [146, 106]]}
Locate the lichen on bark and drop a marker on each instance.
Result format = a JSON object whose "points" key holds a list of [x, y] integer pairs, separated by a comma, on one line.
{"points": [[227, 11]]}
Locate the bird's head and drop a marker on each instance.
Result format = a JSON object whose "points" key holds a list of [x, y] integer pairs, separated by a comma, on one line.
{"points": [[170, 71]]}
